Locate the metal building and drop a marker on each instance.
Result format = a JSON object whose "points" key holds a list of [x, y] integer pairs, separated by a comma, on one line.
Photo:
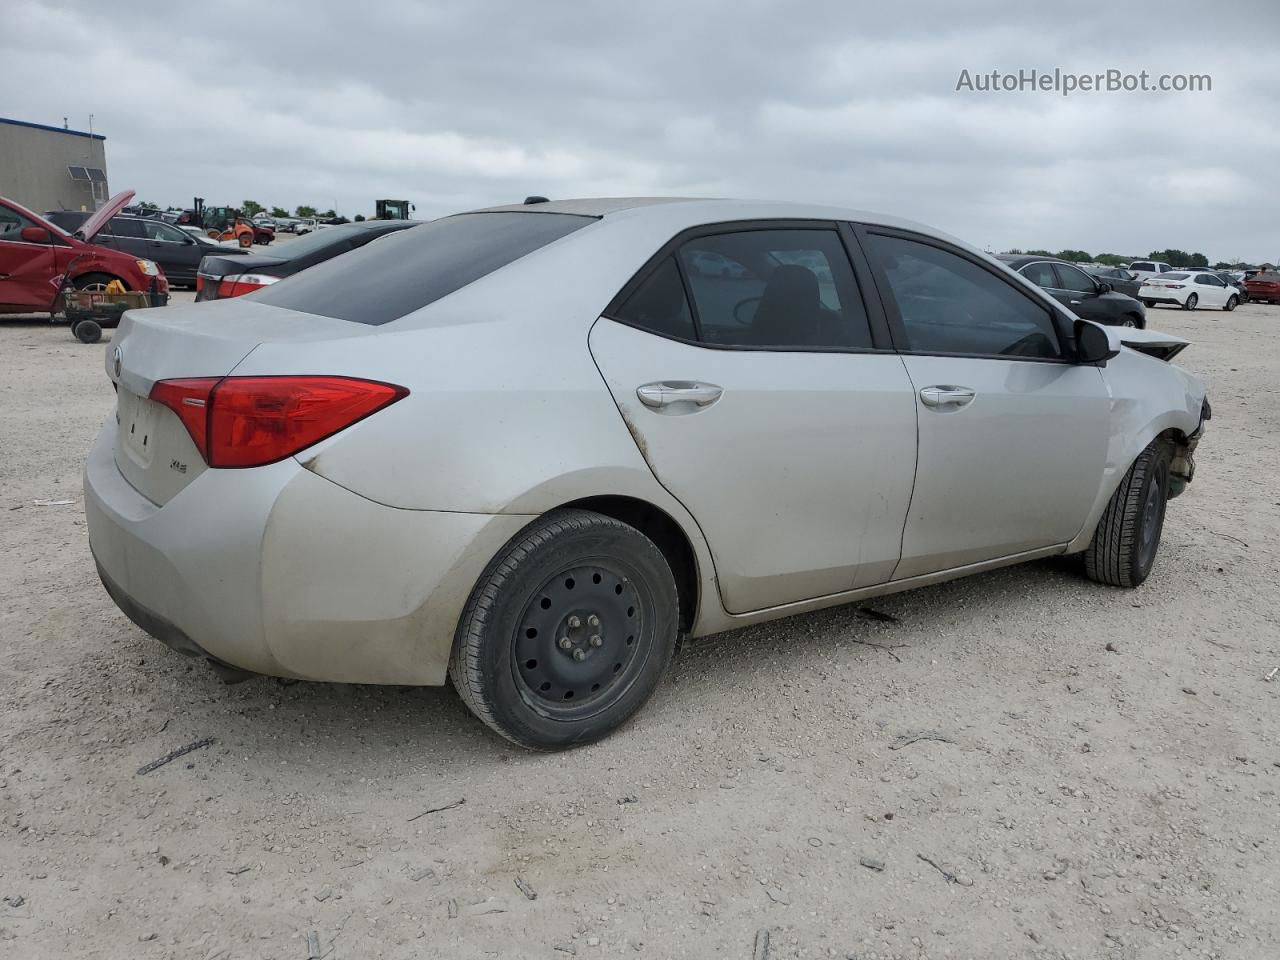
{"points": [[52, 168]]}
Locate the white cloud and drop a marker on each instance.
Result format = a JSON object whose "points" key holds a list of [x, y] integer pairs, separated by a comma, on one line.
{"points": [[460, 104]]}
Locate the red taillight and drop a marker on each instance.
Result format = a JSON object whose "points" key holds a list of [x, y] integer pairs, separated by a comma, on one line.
{"points": [[252, 421], [238, 284], [189, 399]]}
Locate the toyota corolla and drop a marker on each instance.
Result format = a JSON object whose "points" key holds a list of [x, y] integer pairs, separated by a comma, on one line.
{"points": [[529, 448]]}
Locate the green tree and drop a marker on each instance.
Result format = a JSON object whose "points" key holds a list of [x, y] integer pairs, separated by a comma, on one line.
{"points": [[1111, 259], [1172, 256], [251, 208], [359, 218], [1075, 256], [305, 212], [329, 214], [1197, 260], [1038, 253], [279, 212]]}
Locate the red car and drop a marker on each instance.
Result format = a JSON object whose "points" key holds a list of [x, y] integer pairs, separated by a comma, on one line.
{"points": [[35, 255], [1264, 287]]}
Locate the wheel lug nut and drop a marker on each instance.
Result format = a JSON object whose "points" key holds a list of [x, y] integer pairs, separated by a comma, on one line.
{"points": [[593, 620], [574, 623], [565, 643], [579, 654], [595, 640]]}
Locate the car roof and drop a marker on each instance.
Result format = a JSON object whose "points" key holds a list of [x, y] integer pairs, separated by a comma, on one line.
{"points": [[696, 211], [1017, 260]]}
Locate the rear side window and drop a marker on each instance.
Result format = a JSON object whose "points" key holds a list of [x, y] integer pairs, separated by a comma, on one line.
{"points": [[384, 281], [1041, 274], [950, 305], [1142, 266], [659, 304], [783, 289]]}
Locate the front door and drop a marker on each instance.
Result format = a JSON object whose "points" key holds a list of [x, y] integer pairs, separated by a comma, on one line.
{"points": [[1013, 436], [27, 270], [743, 363]]}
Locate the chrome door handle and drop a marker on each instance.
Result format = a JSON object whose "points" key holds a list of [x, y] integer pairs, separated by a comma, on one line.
{"points": [[943, 396], [666, 392]]}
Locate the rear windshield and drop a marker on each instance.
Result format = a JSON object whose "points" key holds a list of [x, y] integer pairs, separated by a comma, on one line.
{"points": [[400, 273], [1174, 276]]}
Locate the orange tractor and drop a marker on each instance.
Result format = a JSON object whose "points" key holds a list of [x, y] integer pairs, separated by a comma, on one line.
{"points": [[219, 223]]}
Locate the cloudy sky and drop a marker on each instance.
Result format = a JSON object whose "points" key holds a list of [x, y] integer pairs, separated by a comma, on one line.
{"points": [[462, 104]]}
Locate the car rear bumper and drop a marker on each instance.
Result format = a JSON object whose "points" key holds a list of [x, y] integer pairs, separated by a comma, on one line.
{"points": [[1164, 298], [278, 571]]}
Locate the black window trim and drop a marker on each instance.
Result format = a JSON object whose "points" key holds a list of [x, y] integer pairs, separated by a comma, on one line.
{"points": [[876, 320], [1061, 323]]}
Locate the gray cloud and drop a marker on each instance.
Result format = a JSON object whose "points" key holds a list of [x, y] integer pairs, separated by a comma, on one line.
{"points": [[456, 105]]}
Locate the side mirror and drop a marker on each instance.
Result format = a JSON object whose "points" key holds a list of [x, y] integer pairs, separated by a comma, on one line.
{"points": [[1103, 287], [36, 235], [1093, 346]]}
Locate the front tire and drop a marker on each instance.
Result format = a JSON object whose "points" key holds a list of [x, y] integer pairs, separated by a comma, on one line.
{"points": [[1190, 302], [93, 282], [567, 632], [1124, 545], [1231, 303]]}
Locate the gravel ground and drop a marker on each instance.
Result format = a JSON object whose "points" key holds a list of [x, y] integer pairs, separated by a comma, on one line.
{"points": [[1101, 782]]}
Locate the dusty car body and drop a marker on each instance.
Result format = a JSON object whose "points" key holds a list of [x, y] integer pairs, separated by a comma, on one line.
{"points": [[535, 393]]}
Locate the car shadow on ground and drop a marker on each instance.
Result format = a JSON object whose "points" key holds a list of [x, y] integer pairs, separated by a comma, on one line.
{"points": [[292, 721]]}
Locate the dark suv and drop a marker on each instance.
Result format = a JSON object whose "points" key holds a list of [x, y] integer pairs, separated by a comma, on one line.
{"points": [[1083, 295]]}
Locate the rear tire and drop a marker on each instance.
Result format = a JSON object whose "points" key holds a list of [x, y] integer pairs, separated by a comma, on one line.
{"points": [[1190, 302], [1124, 545], [529, 661]]}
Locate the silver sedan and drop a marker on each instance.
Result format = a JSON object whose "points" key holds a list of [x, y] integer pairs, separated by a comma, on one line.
{"points": [[530, 447]]}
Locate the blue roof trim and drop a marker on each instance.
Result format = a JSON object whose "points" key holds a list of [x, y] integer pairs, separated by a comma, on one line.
{"points": [[44, 126]]}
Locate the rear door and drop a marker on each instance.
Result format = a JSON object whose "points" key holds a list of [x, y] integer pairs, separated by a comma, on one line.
{"points": [[1013, 436], [27, 270], [763, 392], [175, 250]]}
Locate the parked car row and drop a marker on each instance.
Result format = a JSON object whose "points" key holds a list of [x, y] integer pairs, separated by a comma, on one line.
{"points": [[37, 258]]}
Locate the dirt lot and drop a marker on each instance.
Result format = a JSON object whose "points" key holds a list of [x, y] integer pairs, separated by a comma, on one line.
{"points": [[1104, 782]]}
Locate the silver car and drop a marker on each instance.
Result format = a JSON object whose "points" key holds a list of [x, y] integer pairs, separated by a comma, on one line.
{"points": [[530, 447]]}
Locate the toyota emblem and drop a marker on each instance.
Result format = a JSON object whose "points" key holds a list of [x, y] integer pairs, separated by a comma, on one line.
{"points": [[117, 361]]}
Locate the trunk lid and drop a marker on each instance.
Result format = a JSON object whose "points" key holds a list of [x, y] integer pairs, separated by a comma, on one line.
{"points": [[225, 264], [154, 452]]}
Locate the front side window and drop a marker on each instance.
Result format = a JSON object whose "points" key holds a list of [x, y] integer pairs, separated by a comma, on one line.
{"points": [[950, 305], [1069, 278], [12, 224], [780, 289]]}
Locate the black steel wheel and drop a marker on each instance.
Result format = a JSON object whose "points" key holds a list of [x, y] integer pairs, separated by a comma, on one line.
{"points": [[567, 632]]}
